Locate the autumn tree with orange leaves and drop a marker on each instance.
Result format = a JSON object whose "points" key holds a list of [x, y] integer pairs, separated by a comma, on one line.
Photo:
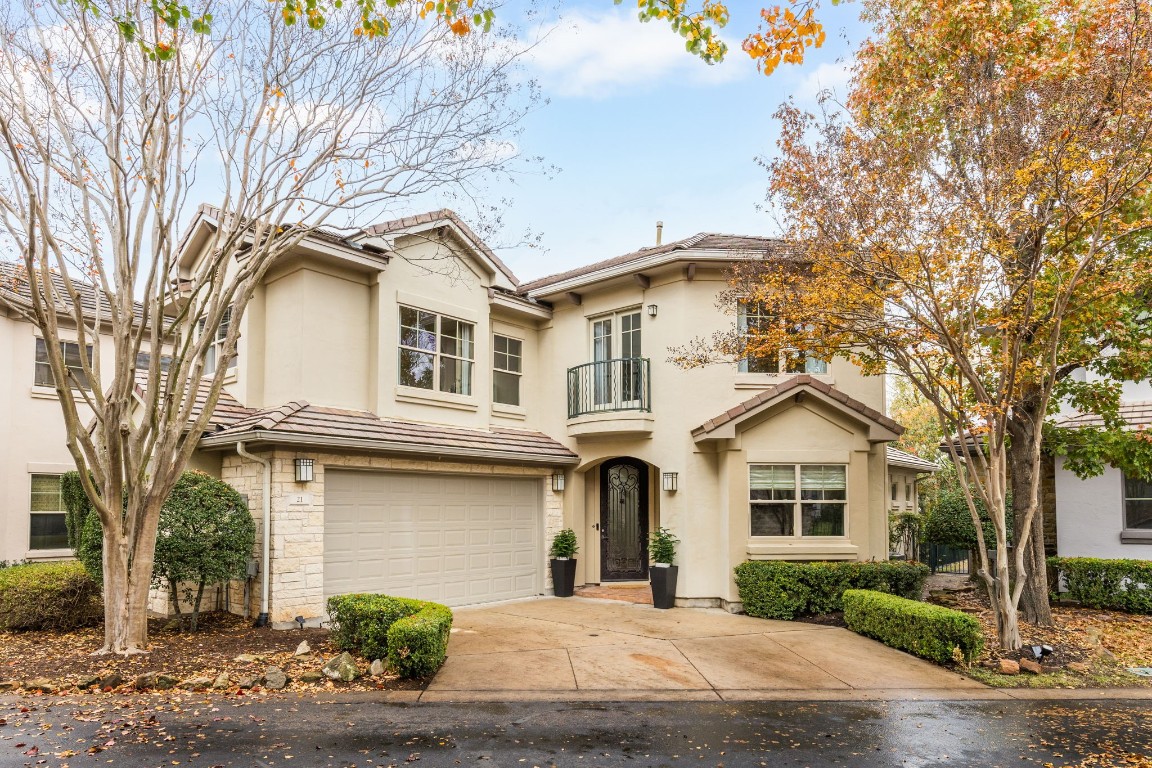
{"points": [[967, 218]]}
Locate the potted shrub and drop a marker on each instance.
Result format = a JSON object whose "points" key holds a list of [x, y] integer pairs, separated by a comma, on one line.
{"points": [[662, 551], [563, 554]]}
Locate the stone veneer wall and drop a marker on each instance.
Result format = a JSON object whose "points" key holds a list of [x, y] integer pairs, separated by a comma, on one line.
{"points": [[297, 544]]}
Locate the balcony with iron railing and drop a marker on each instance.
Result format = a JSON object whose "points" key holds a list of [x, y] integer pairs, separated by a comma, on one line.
{"points": [[610, 397]]}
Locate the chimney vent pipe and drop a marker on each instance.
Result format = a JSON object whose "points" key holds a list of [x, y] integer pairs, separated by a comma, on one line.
{"points": [[659, 232]]}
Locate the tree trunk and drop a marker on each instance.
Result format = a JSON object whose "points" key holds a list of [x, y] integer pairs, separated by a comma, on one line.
{"points": [[127, 580], [1034, 607]]}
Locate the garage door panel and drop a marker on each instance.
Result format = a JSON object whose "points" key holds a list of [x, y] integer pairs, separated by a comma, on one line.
{"points": [[449, 538]]}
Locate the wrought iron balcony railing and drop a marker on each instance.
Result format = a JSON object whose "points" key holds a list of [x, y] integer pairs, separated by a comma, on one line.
{"points": [[610, 385]]}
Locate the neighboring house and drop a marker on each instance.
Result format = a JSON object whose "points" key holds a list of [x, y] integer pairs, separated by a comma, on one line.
{"points": [[904, 469], [33, 452], [429, 423], [1109, 515]]}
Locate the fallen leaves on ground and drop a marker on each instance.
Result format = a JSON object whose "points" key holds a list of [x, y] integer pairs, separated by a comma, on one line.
{"points": [[65, 657]]}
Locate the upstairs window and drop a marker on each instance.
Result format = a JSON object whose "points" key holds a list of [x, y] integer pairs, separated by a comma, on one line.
{"points": [[751, 317], [216, 350], [436, 352], [72, 361], [507, 368]]}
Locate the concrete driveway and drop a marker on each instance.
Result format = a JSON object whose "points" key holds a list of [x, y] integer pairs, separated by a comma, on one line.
{"points": [[584, 649]]}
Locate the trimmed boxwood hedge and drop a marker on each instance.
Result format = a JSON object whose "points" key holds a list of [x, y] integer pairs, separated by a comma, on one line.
{"points": [[929, 631], [411, 634], [1118, 585], [53, 596], [776, 589]]}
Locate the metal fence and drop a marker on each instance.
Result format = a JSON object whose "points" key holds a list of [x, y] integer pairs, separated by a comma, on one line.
{"points": [[943, 559]]}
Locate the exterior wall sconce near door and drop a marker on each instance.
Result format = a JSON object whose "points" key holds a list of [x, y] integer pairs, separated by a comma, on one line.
{"points": [[671, 481], [652, 310], [558, 482], [304, 470]]}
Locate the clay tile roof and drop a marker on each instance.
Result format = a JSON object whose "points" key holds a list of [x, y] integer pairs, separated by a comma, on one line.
{"points": [[304, 423], [431, 217], [737, 244], [899, 458], [15, 288], [1137, 414], [796, 382], [228, 411]]}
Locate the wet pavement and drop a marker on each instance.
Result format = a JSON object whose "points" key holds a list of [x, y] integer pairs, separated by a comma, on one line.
{"points": [[366, 732]]}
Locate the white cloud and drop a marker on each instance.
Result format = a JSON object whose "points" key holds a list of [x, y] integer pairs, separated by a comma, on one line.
{"points": [[832, 77], [595, 55]]}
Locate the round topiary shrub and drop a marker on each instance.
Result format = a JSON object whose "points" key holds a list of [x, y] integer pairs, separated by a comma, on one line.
{"points": [[205, 536]]}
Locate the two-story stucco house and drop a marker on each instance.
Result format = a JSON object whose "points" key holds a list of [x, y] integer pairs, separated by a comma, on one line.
{"points": [[33, 439], [420, 423]]}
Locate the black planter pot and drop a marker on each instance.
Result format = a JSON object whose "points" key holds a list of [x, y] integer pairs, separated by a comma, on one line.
{"points": [[563, 577], [663, 585]]}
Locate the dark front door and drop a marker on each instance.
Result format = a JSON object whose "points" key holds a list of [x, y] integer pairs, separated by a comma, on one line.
{"points": [[623, 520]]}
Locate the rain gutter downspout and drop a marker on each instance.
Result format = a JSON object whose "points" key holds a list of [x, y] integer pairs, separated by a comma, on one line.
{"points": [[266, 503]]}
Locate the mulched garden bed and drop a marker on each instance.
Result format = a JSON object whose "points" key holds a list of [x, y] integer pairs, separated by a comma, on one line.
{"points": [[225, 644], [1091, 648]]}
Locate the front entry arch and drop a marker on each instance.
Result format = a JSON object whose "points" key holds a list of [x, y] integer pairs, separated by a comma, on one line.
{"points": [[623, 520]]}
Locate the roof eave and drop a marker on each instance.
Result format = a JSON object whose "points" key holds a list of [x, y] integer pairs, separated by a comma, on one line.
{"points": [[539, 290], [220, 441]]}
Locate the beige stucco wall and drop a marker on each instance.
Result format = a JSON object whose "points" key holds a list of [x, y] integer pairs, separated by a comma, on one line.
{"points": [[297, 528], [32, 434]]}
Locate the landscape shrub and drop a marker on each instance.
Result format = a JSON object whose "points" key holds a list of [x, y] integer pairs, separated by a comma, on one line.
{"points": [[929, 631], [950, 522], [418, 644], [48, 596], [775, 589], [1118, 585], [205, 536], [411, 634]]}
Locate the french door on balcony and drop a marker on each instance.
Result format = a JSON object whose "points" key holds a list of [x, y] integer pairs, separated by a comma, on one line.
{"points": [[617, 338]]}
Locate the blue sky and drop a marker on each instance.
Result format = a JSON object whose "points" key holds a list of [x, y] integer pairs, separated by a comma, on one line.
{"points": [[642, 131]]}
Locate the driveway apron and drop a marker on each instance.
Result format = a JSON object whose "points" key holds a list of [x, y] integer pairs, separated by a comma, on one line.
{"points": [[588, 649]]}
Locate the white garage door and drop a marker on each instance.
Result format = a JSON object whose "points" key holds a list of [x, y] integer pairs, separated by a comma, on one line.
{"points": [[453, 539]]}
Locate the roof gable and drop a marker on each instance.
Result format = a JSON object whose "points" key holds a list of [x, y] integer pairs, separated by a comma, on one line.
{"points": [[726, 425]]}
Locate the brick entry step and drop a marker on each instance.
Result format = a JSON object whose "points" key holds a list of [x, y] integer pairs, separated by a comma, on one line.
{"points": [[628, 593]]}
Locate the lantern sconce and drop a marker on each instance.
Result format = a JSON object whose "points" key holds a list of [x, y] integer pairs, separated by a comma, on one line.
{"points": [[671, 481], [304, 470], [558, 482], [652, 310]]}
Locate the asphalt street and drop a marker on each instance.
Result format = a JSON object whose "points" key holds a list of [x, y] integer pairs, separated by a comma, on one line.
{"points": [[366, 733]]}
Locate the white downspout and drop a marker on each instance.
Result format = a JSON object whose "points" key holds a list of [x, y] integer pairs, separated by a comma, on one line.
{"points": [[266, 503]]}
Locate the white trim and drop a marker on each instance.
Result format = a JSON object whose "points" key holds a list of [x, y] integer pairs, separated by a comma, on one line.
{"points": [[49, 468], [405, 394], [640, 264]]}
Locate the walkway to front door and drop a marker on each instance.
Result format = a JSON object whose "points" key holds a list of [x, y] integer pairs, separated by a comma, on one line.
{"points": [[574, 648]]}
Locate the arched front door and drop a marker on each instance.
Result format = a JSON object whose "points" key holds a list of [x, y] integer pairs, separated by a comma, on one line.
{"points": [[623, 520]]}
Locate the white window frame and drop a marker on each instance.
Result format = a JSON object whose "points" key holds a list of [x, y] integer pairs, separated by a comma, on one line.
{"points": [[466, 358], [61, 513], [609, 389], [798, 502], [43, 366], [215, 350], [518, 372], [785, 358]]}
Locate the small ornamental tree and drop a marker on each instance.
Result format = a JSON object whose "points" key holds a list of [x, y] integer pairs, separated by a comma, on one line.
{"points": [[205, 536]]}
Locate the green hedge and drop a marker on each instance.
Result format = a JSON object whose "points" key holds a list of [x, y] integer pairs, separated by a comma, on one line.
{"points": [[53, 596], [775, 589], [929, 631], [1118, 585], [411, 634]]}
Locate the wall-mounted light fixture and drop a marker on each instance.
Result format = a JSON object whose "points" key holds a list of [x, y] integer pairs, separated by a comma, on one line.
{"points": [[652, 310], [558, 481], [304, 470], [671, 481]]}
